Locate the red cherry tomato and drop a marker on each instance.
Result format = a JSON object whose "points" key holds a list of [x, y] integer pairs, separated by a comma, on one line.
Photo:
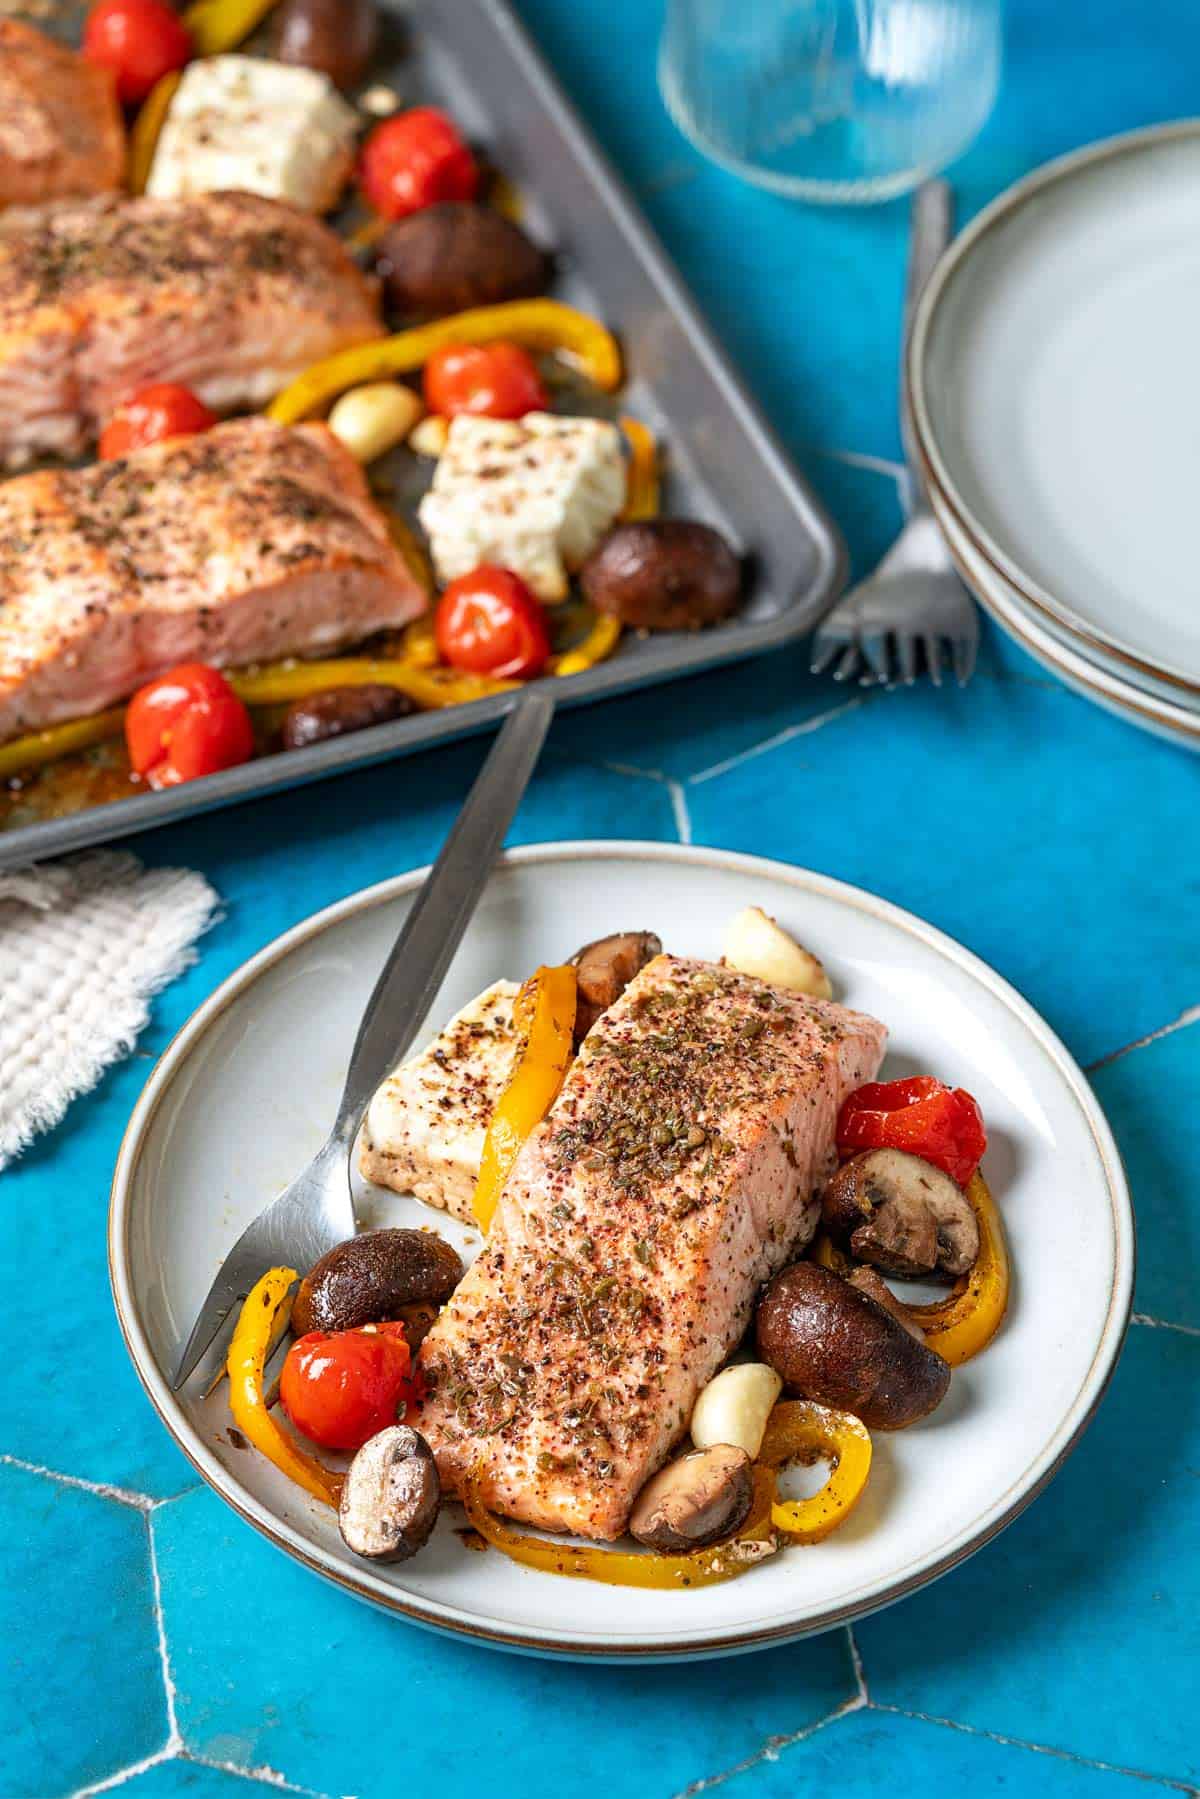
{"points": [[341, 1387], [416, 159], [497, 381], [139, 40], [490, 623], [163, 410], [941, 1124], [187, 723]]}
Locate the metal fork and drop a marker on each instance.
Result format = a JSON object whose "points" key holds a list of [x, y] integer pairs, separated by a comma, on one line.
{"points": [[317, 1211], [914, 604]]}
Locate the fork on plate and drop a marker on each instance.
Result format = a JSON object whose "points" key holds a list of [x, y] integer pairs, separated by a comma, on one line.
{"points": [[913, 609]]}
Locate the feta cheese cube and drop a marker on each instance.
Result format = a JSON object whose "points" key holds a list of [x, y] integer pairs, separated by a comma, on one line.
{"points": [[534, 495], [262, 127]]}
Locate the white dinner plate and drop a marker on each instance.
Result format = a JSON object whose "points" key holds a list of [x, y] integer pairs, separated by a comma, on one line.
{"points": [[1055, 382], [1146, 707], [242, 1097]]}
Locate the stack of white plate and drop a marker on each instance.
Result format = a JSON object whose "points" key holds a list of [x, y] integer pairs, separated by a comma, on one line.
{"points": [[1054, 373]]}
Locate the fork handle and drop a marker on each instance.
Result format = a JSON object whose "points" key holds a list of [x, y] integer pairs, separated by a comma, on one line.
{"points": [[931, 228], [433, 930]]}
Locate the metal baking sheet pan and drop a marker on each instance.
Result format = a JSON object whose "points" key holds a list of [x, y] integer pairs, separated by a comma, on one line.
{"points": [[725, 463]]}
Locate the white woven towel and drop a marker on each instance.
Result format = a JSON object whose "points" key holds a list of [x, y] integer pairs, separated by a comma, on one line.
{"points": [[84, 946]]}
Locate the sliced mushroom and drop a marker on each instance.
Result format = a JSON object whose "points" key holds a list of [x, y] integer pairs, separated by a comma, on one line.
{"points": [[695, 1500], [605, 968], [370, 1278], [832, 1343], [875, 1287], [902, 1214], [391, 1496]]}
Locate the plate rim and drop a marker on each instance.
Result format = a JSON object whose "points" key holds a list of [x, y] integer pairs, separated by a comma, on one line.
{"points": [[1103, 686], [591, 1645], [999, 212]]}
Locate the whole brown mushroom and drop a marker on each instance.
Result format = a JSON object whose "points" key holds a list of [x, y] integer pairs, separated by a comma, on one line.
{"points": [[830, 1342], [455, 255], [663, 574], [603, 971], [340, 710], [902, 1214], [336, 37], [373, 1277]]}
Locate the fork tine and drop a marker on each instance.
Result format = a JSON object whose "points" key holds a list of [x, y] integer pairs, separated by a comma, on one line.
{"points": [[874, 645], [933, 657], [906, 652], [235, 1277], [825, 647], [848, 663], [965, 651]]}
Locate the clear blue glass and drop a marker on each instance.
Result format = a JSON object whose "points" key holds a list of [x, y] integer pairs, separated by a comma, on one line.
{"points": [[831, 100]]}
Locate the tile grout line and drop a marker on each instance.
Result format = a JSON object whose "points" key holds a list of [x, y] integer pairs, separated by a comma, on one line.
{"points": [[856, 1661], [1164, 1324], [138, 1502], [1066, 1755], [174, 1735], [679, 806], [773, 1748], [263, 1775], [804, 729], [1189, 1016]]}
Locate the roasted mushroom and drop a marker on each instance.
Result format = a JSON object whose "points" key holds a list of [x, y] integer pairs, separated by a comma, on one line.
{"points": [[373, 1277], [455, 255], [693, 1501], [340, 710], [391, 1496], [868, 1281], [830, 1342], [338, 37], [604, 969], [902, 1214], [663, 574]]}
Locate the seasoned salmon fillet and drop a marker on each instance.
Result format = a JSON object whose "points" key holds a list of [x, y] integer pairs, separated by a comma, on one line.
{"points": [[675, 1173], [426, 1125], [61, 131], [231, 294], [249, 542]]}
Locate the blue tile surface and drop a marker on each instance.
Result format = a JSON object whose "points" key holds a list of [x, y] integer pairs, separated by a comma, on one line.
{"points": [[1054, 841], [82, 1678]]}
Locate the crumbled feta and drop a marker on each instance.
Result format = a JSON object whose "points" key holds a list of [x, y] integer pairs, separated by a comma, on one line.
{"points": [[534, 495], [262, 127]]}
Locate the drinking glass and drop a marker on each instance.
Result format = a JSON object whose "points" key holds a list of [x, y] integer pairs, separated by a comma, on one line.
{"points": [[831, 100]]}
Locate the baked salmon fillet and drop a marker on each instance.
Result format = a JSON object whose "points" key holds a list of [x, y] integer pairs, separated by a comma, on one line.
{"points": [[249, 542], [230, 293], [675, 1173], [61, 131]]}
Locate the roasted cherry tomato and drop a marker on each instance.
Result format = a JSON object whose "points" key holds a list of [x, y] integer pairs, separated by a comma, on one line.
{"points": [[139, 40], [416, 159], [187, 723], [941, 1124], [163, 410], [489, 622], [498, 381], [341, 1387]]}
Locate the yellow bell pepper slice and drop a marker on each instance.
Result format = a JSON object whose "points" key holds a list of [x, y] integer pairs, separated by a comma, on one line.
{"points": [[599, 643], [626, 1567], [799, 1430], [220, 25], [538, 324], [24, 754], [965, 1322], [247, 1357], [546, 1007], [642, 490], [143, 139], [277, 684]]}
